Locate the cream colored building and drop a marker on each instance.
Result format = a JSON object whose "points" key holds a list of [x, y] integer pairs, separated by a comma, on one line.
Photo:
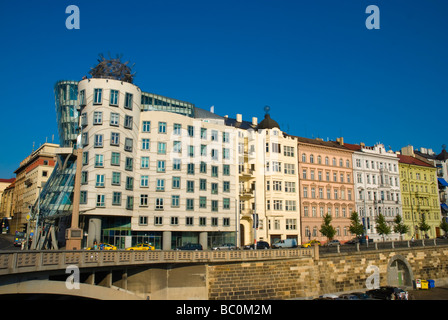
{"points": [[31, 176], [154, 176]]}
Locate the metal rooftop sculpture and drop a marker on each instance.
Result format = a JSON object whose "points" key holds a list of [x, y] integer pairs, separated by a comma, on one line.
{"points": [[113, 69]]}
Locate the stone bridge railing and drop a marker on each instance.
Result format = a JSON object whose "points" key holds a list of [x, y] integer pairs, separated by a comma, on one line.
{"points": [[15, 262]]}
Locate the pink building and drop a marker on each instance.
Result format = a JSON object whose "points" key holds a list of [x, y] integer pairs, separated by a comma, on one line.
{"points": [[326, 186]]}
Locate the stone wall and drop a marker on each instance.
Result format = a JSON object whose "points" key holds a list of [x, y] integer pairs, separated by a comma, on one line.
{"points": [[336, 273]]}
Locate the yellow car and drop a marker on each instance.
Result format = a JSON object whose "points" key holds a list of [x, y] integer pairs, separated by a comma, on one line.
{"points": [[310, 243], [105, 246], [142, 246]]}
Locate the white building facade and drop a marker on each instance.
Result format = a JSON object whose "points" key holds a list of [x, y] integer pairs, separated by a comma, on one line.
{"points": [[377, 188]]}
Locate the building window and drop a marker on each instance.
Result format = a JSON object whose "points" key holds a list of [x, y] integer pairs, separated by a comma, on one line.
{"points": [[116, 198], [128, 120], [226, 203], [114, 119], [98, 141], [190, 185], [177, 130], [190, 204], [84, 177], [190, 131], [162, 127], [144, 181], [143, 200], [161, 148], [99, 180], [189, 221], [159, 204], [97, 96], [142, 220], [144, 162], [97, 117], [176, 164], [214, 205], [174, 221], [100, 201], [203, 202], [225, 222], [158, 221], [160, 185], [145, 144], [128, 101], [202, 221], [114, 97], [129, 164], [226, 170], [214, 222], [161, 166], [116, 178], [146, 127], [129, 183], [128, 144], [99, 161], [114, 139], [176, 183], [130, 203], [175, 201], [83, 197]]}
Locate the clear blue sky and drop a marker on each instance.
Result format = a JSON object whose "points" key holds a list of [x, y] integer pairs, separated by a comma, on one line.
{"points": [[322, 72]]}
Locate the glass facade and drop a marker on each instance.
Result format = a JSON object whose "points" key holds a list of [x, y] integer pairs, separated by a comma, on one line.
{"points": [[156, 102], [66, 98]]}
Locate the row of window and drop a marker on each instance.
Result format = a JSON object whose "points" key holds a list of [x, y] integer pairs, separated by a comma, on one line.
{"points": [[327, 160], [275, 166], [377, 165], [312, 176], [338, 194], [189, 221], [317, 233], [338, 212], [160, 164], [374, 211], [114, 95], [159, 203], [100, 182], [276, 223], [380, 195]]}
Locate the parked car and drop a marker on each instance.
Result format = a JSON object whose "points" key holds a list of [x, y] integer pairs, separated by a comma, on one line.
{"points": [[387, 293], [190, 246], [19, 238], [361, 295], [142, 247], [348, 296], [225, 246], [286, 243], [260, 245], [333, 243], [311, 243], [105, 246]]}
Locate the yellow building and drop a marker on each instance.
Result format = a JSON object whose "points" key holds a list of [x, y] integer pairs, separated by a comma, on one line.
{"points": [[418, 183]]}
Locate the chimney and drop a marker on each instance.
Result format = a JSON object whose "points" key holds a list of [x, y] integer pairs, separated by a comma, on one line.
{"points": [[340, 141], [362, 144], [408, 151], [212, 109], [254, 121], [239, 118]]}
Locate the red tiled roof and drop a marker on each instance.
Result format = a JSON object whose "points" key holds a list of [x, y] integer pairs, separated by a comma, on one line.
{"points": [[8, 180], [354, 147], [412, 160]]}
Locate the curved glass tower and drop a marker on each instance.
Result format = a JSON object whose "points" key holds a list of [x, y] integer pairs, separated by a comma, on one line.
{"points": [[55, 203]]}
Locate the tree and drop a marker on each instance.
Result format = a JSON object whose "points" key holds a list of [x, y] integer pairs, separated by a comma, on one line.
{"points": [[423, 226], [327, 229], [356, 226], [399, 226], [444, 226], [381, 226]]}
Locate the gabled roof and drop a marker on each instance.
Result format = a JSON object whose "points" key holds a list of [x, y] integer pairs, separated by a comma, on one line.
{"points": [[413, 161], [354, 147]]}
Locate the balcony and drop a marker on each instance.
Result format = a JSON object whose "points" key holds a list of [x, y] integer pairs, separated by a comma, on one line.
{"points": [[246, 193]]}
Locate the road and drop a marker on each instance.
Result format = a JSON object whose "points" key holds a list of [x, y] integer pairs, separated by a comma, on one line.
{"points": [[7, 242], [437, 293]]}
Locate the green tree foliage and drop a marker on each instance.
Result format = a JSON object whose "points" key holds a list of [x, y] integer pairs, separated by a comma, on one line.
{"points": [[399, 226], [327, 229], [381, 227], [356, 226]]}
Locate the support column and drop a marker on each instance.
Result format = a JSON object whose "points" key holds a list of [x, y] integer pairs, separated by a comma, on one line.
{"points": [[203, 240], [94, 233], [166, 240], [74, 234]]}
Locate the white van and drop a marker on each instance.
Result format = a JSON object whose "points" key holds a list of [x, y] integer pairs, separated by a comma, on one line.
{"points": [[286, 243]]}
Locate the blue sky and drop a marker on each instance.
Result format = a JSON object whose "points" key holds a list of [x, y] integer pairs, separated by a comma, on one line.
{"points": [[322, 72]]}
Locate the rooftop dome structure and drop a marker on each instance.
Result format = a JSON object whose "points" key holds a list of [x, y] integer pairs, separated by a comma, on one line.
{"points": [[442, 155], [268, 123], [113, 69]]}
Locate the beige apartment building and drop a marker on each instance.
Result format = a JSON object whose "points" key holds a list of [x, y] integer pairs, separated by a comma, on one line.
{"points": [[268, 182], [325, 171], [31, 176], [6, 197]]}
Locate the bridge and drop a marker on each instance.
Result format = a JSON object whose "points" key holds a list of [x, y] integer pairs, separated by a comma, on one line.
{"points": [[212, 275]]}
